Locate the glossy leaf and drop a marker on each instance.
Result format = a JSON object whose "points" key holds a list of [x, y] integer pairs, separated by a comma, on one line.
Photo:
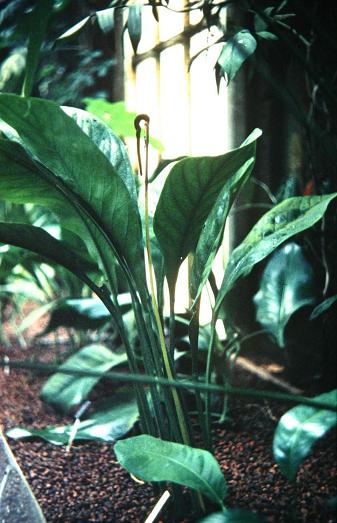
{"points": [[152, 459], [234, 53], [108, 142], [85, 174], [212, 233], [113, 419], [65, 391], [298, 430], [287, 284], [281, 223], [190, 191], [323, 306], [236, 515]]}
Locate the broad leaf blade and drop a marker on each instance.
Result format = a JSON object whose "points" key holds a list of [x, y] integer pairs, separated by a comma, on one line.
{"points": [[287, 284], [70, 156], [152, 459], [188, 196], [109, 422], [286, 219], [107, 141], [212, 233], [298, 430], [64, 391]]}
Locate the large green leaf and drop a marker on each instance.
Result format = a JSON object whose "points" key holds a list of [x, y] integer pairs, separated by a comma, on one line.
{"points": [[107, 141], [234, 53], [235, 515], [83, 172], [64, 391], [212, 233], [39, 241], [113, 419], [152, 459], [286, 219], [287, 284], [190, 191], [298, 430]]}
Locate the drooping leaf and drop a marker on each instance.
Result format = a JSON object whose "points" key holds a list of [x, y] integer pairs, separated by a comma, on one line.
{"points": [[236, 515], [113, 419], [298, 430], [152, 459], [106, 19], [39, 241], [323, 306], [134, 25], [188, 196], [281, 223], [87, 176], [234, 53], [287, 284], [65, 391]]}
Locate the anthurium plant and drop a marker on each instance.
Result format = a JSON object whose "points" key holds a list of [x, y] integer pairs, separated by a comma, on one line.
{"points": [[69, 162]]}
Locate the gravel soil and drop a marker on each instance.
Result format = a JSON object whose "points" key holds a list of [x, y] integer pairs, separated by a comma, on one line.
{"points": [[88, 485]]}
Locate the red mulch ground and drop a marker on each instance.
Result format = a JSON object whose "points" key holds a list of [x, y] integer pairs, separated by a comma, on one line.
{"points": [[89, 486]]}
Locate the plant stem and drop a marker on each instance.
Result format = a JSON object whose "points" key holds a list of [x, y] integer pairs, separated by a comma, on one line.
{"points": [[166, 360], [123, 377]]}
